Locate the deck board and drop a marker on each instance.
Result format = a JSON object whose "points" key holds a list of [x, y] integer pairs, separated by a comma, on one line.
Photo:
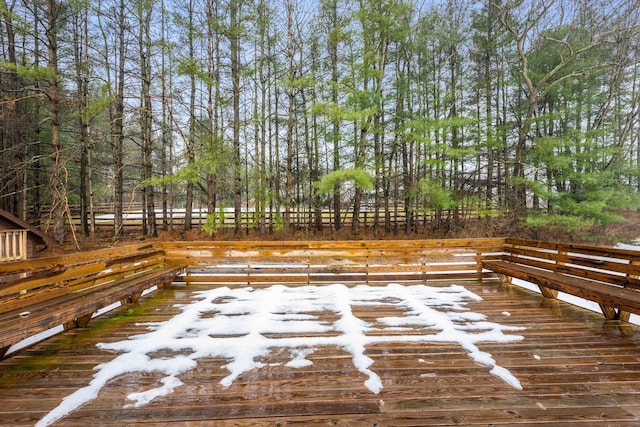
{"points": [[575, 367]]}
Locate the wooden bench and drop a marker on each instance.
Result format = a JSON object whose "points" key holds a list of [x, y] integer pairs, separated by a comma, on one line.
{"points": [[69, 295], [607, 276]]}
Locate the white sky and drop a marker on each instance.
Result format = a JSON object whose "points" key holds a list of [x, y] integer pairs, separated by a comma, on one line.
{"points": [[235, 324]]}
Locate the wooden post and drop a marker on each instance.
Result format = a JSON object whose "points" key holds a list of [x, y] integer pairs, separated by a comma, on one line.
{"points": [[423, 263], [366, 273], [3, 246], [25, 250], [561, 256], [548, 292], [15, 250], [632, 263]]}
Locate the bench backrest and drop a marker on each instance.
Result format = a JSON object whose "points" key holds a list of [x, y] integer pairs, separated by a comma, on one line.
{"points": [[30, 281], [616, 266]]}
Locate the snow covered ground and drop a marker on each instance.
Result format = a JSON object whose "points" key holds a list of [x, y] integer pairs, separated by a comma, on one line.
{"points": [[239, 325]]}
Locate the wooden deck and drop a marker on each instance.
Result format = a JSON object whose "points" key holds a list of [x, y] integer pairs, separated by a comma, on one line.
{"points": [[575, 368]]}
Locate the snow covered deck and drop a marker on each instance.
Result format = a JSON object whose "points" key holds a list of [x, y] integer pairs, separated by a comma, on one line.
{"points": [[476, 353]]}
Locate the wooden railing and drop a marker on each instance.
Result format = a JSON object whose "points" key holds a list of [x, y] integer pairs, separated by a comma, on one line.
{"points": [[307, 262], [36, 294], [13, 245]]}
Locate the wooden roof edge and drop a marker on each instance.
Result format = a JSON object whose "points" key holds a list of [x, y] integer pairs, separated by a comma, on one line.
{"points": [[46, 239]]}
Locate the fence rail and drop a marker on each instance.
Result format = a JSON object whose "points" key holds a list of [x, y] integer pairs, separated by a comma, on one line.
{"points": [[13, 245], [299, 219]]}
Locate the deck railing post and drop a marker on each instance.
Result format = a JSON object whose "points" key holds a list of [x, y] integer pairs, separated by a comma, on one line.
{"points": [[633, 262], [366, 265], [562, 255], [423, 263]]}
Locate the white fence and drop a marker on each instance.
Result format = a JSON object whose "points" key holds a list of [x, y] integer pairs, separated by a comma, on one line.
{"points": [[13, 245]]}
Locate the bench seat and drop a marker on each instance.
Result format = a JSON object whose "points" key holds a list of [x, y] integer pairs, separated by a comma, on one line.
{"points": [[75, 308], [616, 302]]}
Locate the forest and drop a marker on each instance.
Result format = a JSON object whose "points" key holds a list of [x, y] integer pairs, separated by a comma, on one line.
{"points": [[304, 114]]}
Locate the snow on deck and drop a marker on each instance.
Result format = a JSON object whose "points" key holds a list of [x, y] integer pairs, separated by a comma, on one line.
{"points": [[332, 355], [239, 325]]}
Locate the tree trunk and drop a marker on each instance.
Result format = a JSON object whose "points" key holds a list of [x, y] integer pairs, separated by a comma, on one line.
{"points": [[14, 197], [80, 44], [191, 138], [335, 124], [291, 119], [146, 117], [234, 39], [117, 120], [57, 182]]}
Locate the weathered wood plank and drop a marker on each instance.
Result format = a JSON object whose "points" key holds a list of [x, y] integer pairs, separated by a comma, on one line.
{"points": [[575, 367], [57, 263], [75, 273], [618, 273], [584, 375], [611, 297], [75, 309]]}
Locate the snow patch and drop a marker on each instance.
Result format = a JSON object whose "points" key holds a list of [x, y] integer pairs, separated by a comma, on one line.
{"points": [[142, 398], [246, 325], [298, 359]]}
